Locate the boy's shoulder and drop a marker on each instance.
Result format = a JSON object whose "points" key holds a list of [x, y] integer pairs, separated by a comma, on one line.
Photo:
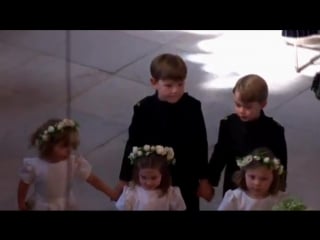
{"points": [[191, 100], [269, 121], [272, 123], [231, 118], [145, 102]]}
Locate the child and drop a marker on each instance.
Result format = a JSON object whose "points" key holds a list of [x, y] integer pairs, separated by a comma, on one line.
{"points": [[258, 183], [172, 118], [151, 185], [247, 129], [53, 172]]}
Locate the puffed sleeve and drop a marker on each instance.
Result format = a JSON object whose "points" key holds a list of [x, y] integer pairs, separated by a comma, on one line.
{"points": [[229, 202], [82, 168], [176, 201], [27, 172], [126, 200]]}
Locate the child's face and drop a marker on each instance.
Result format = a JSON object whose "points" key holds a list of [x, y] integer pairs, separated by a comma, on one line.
{"points": [[258, 181], [247, 111], [149, 178], [62, 151], [169, 90]]}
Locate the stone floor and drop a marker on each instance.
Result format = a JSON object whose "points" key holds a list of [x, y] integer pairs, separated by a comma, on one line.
{"points": [[110, 73]]}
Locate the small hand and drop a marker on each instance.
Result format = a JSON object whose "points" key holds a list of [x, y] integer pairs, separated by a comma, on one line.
{"points": [[205, 190], [23, 207]]}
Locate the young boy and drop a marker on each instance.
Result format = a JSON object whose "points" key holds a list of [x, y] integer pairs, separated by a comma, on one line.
{"points": [[172, 118], [248, 128]]}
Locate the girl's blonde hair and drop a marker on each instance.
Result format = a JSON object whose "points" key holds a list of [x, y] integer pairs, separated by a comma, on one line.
{"points": [[48, 135]]}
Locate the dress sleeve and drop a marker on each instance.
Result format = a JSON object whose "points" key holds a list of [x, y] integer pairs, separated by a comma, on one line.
{"points": [[176, 201], [27, 173], [126, 200], [229, 202], [82, 167]]}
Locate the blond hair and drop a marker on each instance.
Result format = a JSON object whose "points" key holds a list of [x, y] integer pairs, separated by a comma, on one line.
{"points": [[168, 67], [251, 88]]}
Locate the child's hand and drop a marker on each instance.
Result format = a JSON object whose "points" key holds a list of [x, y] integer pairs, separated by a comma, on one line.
{"points": [[205, 190], [23, 207]]}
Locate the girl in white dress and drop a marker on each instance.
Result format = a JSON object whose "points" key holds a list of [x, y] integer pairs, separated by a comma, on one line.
{"points": [[151, 186], [54, 171], [258, 183]]}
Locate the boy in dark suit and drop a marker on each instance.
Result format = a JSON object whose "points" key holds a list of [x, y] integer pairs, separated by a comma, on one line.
{"points": [[171, 117], [245, 130]]}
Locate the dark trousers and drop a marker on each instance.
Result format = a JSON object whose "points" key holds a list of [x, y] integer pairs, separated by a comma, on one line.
{"points": [[191, 199]]}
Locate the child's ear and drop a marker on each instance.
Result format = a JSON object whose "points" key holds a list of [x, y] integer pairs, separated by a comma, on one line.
{"points": [[263, 104], [154, 82]]}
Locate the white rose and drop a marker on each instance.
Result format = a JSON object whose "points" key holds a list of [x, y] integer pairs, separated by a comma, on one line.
{"points": [[159, 149], [165, 151], [276, 161], [239, 163], [139, 153], [266, 160], [68, 122], [72, 123], [44, 137], [146, 148], [246, 160], [170, 154], [50, 129], [153, 148], [135, 149], [60, 126], [280, 170], [257, 158], [131, 156]]}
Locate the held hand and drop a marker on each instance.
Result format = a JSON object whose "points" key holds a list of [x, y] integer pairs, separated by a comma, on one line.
{"points": [[205, 190], [23, 207]]}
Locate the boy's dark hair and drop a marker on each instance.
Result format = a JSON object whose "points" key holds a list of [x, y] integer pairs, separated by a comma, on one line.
{"points": [[154, 161], [251, 88], [69, 135], [168, 67], [239, 176]]}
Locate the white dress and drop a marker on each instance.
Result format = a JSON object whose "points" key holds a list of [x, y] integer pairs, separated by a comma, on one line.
{"points": [[239, 200], [50, 181], [137, 198]]}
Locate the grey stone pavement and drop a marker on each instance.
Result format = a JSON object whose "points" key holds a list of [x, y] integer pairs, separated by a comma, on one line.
{"points": [[110, 73]]}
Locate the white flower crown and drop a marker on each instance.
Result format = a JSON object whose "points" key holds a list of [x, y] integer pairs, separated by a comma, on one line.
{"points": [[273, 163], [53, 129], [146, 150]]}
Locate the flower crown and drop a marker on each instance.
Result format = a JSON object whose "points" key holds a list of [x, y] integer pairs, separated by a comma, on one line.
{"points": [[53, 129], [146, 150], [273, 163]]}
